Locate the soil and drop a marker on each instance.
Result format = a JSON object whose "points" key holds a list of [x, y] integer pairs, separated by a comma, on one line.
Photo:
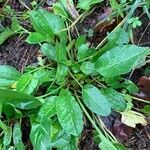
{"points": [[16, 52]]}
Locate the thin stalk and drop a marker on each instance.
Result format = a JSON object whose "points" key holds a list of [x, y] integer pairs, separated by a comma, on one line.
{"points": [[24, 5], [105, 39], [50, 93], [75, 79], [141, 100], [73, 24]]}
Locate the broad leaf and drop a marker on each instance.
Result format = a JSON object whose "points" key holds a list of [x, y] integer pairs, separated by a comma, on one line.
{"points": [[8, 75], [40, 135], [49, 51], [47, 24], [95, 100], [120, 60], [69, 113], [5, 34], [80, 41], [118, 37], [47, 110], [85, 4], [115, 98], [84, 51], [59, 9], [59, 138], [17, 137], [7, 136], [88, 68], [131, 118], [18, 99], [62, 71], [36, 37], [35, 80], [15, 27], [23, 81]]}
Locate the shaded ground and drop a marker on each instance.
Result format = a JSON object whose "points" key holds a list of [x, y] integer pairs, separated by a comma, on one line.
{"points": [[16, 52]]}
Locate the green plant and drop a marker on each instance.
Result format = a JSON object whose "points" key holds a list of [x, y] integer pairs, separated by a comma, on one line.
{"points": [[135, 22], [78, 80]]}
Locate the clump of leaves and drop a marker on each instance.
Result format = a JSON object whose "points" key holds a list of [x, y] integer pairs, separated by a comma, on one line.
{"points": [[77, 79]]}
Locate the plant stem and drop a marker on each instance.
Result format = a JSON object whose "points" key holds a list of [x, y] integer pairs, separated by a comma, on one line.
{"points": [[75, 79], [50, 93]]}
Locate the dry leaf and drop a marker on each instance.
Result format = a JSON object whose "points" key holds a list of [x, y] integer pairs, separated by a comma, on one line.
{"points": [[131, 118]]}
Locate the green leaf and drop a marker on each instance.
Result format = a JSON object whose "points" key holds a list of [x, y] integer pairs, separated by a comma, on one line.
{"points": [[11, 112], [72, 145], [5, 34], [69, 113], [38, 78], [40, 135], [85, 4], [116, 7], [115, 98], [8, 75], [80, 41], [7, 136], [146, 109], [95, 100], [47, 24], [59, 138], [15, 27], [18, 99], [62, 71], [17, 137], [84, 51], [120, 60], [23, 81], [88, 68], [118, 37], [36, 37], [61, 52], [49, 51], [59, 9], [47, 110]]}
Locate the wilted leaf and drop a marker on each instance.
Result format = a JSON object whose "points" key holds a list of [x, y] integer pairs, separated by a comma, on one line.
{"points": [[131, 118], [69, 113], [95, 100]]}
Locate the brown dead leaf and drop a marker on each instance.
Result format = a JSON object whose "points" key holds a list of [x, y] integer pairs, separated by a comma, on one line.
{"points": [[72, 10], [144, 85]]}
